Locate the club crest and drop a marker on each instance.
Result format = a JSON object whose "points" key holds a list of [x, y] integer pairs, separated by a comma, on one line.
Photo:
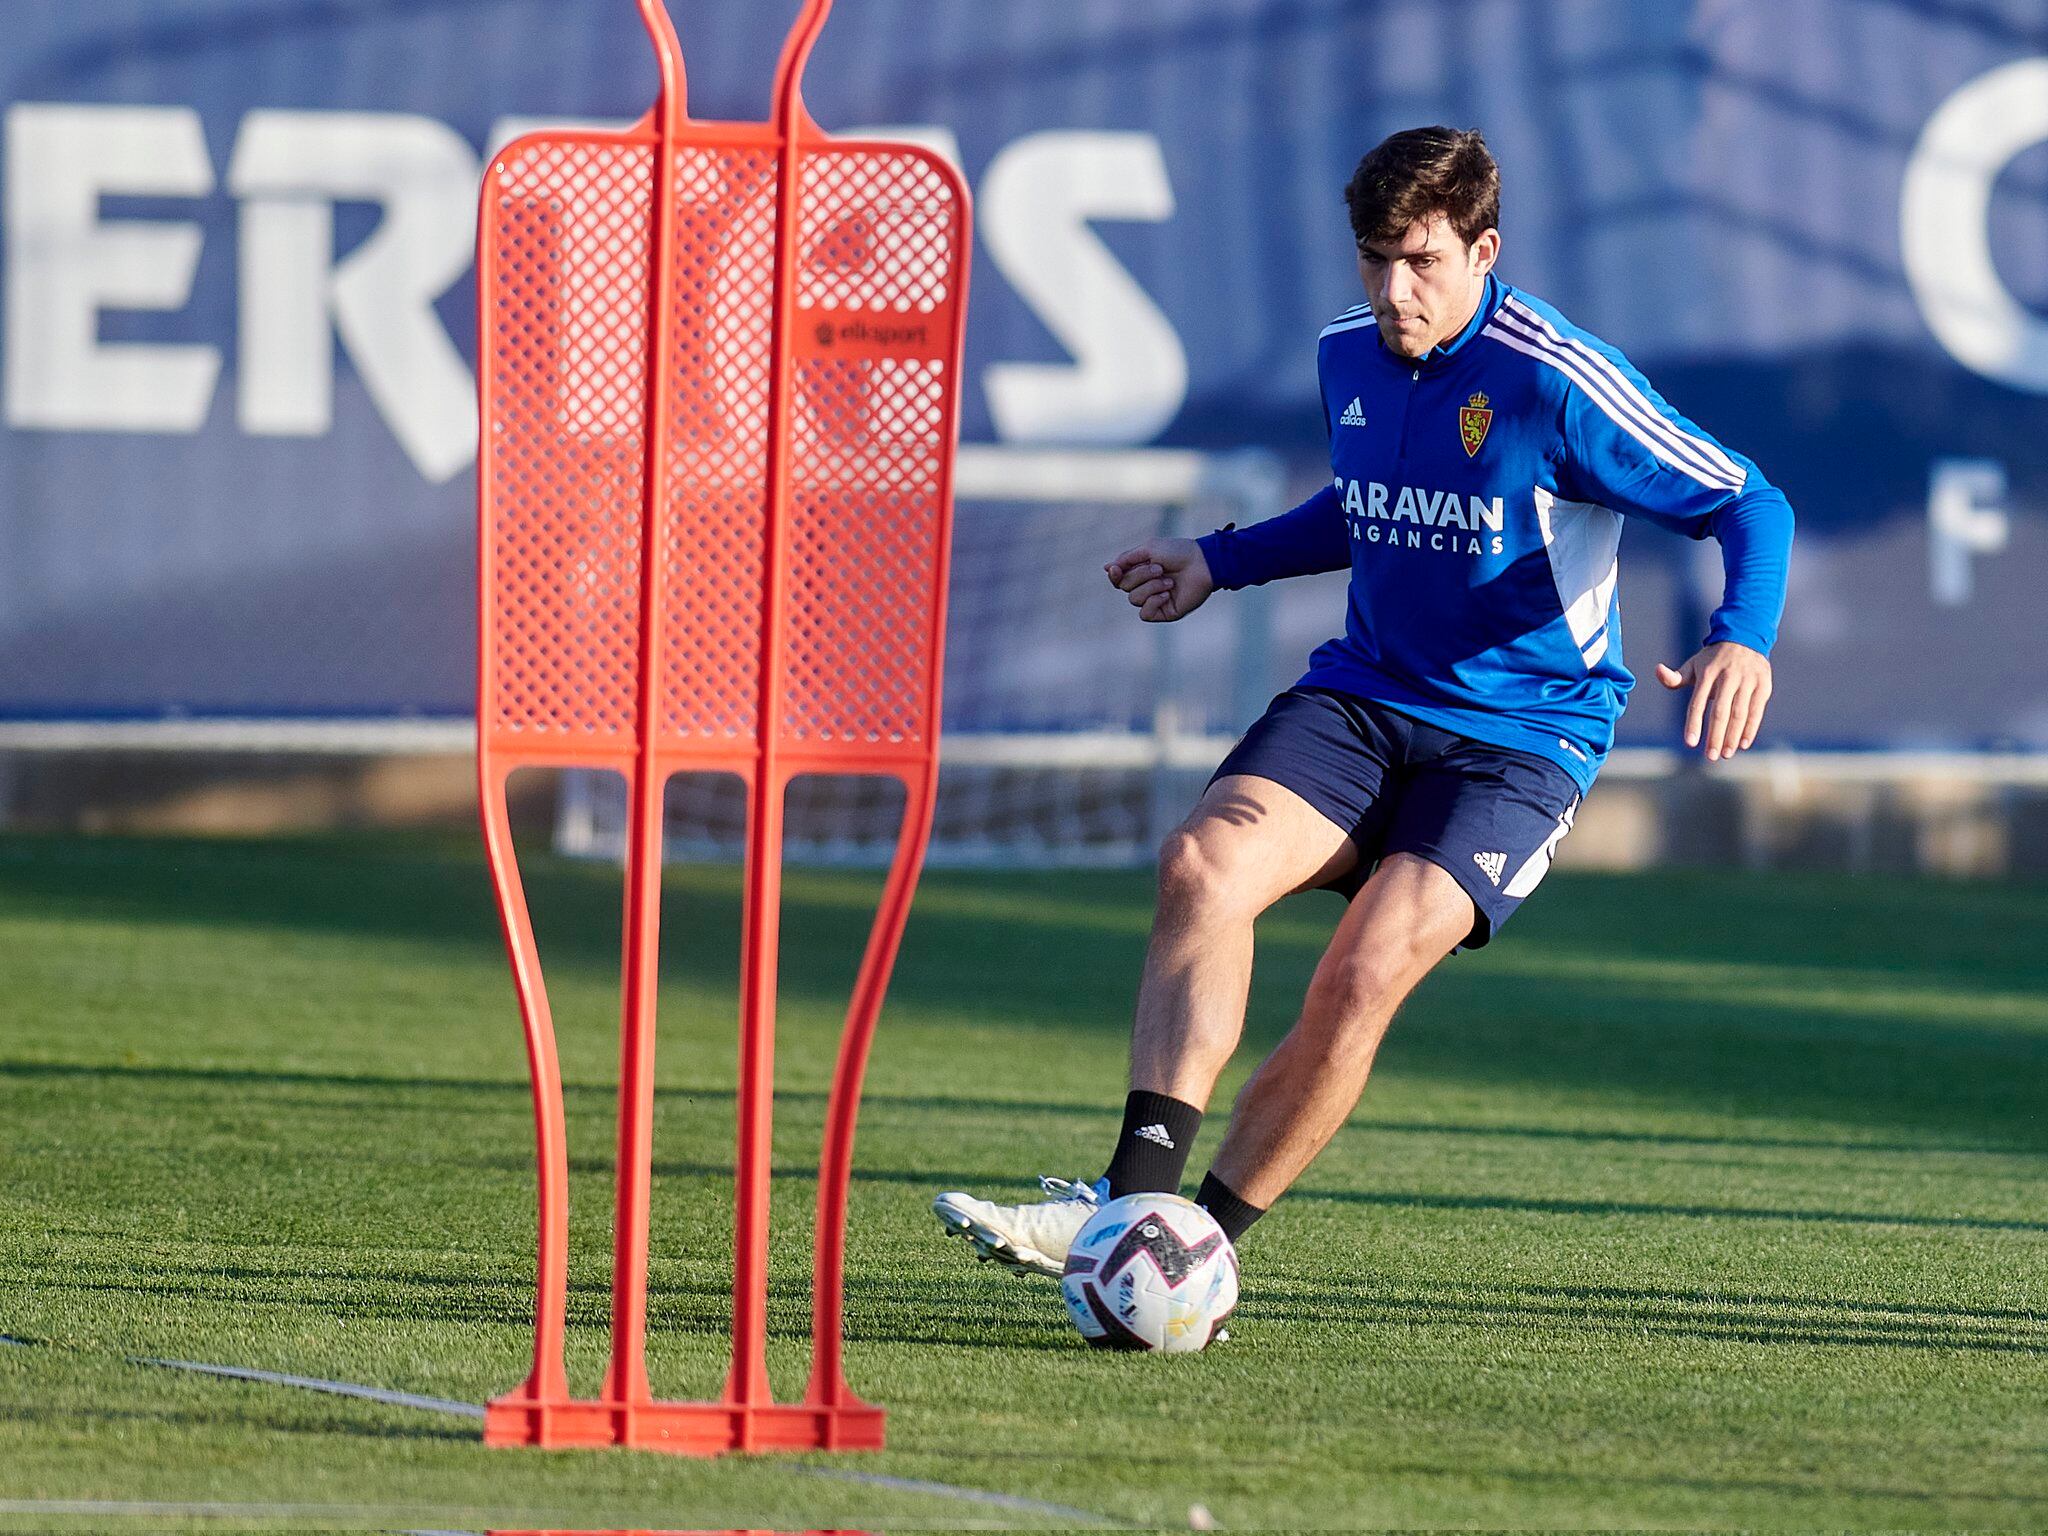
{"points": [[1473, 421]]}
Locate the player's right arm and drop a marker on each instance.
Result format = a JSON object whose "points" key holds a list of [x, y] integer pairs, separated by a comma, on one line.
{"points": [[1167, 579]]}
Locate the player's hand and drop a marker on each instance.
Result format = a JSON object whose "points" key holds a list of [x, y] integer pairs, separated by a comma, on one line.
{"points": [[1165, 579], [1730, 685]]}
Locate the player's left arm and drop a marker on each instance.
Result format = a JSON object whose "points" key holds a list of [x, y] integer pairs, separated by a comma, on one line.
{"points": [[1730, 675], [1629, 450]]}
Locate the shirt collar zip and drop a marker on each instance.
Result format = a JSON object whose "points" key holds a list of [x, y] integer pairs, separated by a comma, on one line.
{"points": [[1490, 299]]}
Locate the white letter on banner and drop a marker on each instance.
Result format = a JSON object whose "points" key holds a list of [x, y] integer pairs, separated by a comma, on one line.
{"points": [[1965, 516], [291, 168], [1129, 376], [1945, 223], [65, 266]]}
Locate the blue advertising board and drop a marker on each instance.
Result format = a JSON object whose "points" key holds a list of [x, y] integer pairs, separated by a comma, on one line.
{"points": [[236, 419]]}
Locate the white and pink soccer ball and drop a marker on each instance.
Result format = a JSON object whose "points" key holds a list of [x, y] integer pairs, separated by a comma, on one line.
{"points": [[1150, 1272]]}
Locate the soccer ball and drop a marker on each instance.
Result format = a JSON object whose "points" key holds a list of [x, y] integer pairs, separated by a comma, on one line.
{"points": [[1150, 1272]]}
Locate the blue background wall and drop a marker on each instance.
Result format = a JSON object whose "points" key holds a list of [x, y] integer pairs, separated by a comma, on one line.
{"points": [[1716, 188]]}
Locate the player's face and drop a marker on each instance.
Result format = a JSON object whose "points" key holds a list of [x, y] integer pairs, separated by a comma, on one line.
{"points": [[1425, 285]]}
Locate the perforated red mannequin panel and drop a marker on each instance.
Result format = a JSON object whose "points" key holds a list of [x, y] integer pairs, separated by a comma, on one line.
{"points": [[871, 436], [870, 443], [563, 363], [719, 370], [721, 364]]}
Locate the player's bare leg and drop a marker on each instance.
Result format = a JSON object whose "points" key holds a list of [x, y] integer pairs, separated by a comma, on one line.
{"points": [[1405, 919], [1248, 843]]}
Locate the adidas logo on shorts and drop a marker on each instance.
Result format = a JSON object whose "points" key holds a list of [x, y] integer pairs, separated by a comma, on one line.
{"points": [[1495, 865]]}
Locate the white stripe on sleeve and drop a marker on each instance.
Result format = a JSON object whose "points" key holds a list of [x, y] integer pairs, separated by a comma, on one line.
{"points": [[1599, 393], [1708, 451]]}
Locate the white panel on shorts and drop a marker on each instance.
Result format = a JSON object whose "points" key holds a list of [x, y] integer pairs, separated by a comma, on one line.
{"points": [[1532, 872]]}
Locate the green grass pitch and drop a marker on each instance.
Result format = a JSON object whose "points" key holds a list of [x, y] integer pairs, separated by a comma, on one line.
{"points": [[1699, 1199]]}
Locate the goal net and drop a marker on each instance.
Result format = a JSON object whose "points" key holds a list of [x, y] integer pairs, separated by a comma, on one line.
{"points": [[1074, 733]]}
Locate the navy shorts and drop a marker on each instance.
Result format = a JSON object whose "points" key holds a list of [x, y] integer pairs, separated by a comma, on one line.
{"points": [[1490, 817]]}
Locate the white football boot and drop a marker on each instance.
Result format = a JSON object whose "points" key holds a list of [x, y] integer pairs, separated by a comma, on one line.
{"points": [[1030, 1239]]}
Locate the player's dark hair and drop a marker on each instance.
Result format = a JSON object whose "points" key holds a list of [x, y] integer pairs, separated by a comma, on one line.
{"points": [[1418, 173]]}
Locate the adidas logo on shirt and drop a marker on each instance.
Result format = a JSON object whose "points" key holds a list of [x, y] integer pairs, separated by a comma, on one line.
{"points": [[1157, 1133], [1354, 414], [1495, 865]]}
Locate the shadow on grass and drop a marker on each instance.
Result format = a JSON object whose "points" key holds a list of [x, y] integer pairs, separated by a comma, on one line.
{"points": [[1625, 1294], [212, 1420], [1521, 1206], [936, 1180], [1059, 953], [1587, 1479], [1704, 1316], [880, 1309], [978, 1310], [962, 1104]]}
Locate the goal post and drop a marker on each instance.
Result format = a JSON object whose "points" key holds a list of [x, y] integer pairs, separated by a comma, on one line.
{"points": [[1075, 734]]}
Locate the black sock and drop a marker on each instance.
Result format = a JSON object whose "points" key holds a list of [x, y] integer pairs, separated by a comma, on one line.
{"points": [[1232, 1214], [1152, 1149]]}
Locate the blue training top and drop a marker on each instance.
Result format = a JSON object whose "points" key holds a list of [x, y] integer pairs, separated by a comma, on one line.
{"points": [[1477, 502]]}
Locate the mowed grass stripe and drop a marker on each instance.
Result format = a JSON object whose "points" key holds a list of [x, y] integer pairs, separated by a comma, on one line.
{"points": [[1705, 1199]]}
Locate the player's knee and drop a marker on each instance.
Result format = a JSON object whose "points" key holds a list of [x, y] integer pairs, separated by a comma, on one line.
{"points": [[1345, 991], [1196, 873], [1370, 982]]}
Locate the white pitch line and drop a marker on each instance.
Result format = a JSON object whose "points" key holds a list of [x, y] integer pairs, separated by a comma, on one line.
{"points": [[349, 1516], [166, 1510], [472, 1411], [316, 1384], [947, 1490]]}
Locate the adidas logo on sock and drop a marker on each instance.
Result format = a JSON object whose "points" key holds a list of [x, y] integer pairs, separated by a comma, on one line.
{"points": [[1354, 414], [1157, 1133], [1495, 865]]}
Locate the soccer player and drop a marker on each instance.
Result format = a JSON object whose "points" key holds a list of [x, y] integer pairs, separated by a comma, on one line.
{"points": [[1483, 453]]}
